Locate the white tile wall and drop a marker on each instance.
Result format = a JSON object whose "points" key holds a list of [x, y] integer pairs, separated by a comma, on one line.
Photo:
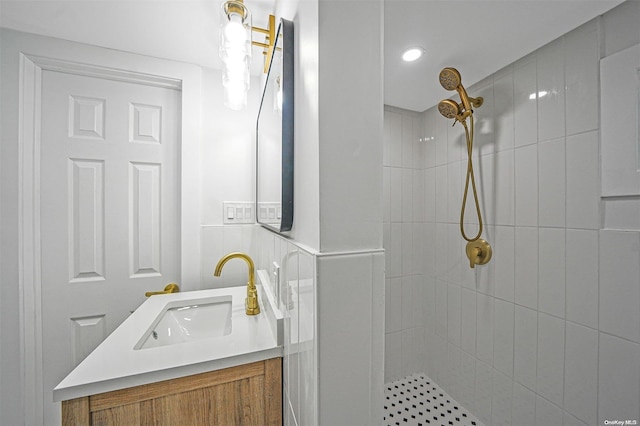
{"points": [[504, 187], [582, 73], [442, 194], [453, 314], [526, 185], [484, 382], [552, 324], [551, 271], [454, 189], [503, 93], [485, 169], [582, 277], [484, 328], [501, 399], [408, 137], [392, 149], [619, 378], [523, 406], [581, 372], [468, 321], [300, 363], [395, 185], [407, 195], [551, 93], [484, 141], [550, 363], [620, 284], [441, 309], [442, 144], [526, 267], [504, 258], [583, 186], [393, 305], [525, 347], [569, 420], [525, 109], [503, 337], [551, 183], [547, 413]]}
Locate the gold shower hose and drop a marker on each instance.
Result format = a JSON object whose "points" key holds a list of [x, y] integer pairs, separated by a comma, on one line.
{"points": [[470, 176]]}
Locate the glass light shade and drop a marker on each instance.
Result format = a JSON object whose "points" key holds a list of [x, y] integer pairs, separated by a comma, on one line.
{"points": [[235, 80], [235, 52], [235, 96], [235, 31]]}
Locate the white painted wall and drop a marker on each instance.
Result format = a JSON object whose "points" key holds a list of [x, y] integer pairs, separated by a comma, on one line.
{"points": [[306, 219], [350, 126], [228, 147]]}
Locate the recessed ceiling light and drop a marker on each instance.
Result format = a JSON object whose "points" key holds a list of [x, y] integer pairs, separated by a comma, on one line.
{"points": [[412, 54]]}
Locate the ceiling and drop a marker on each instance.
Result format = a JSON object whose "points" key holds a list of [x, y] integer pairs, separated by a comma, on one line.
{"points": [[476, 36]]}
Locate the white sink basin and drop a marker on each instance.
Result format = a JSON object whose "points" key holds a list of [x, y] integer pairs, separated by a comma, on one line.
{"points": [[187, 320]]}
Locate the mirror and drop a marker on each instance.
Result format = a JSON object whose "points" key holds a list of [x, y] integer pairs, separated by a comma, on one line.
{"points": [[274, 138]]}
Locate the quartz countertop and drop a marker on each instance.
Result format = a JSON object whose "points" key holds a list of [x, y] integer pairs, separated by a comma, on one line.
{"points": [[115, 364]]}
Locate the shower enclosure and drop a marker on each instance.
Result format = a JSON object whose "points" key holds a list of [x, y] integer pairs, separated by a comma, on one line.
{"points": [[527, 338]]}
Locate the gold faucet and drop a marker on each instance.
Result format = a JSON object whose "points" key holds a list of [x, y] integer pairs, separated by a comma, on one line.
{"points": [[169, 288], [251, 302]]}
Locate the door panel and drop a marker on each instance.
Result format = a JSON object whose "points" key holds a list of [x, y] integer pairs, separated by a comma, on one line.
{"points": [[110, 211]]}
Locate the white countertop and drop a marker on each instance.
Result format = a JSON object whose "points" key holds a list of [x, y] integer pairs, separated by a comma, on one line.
{"points": [[115, 364]]}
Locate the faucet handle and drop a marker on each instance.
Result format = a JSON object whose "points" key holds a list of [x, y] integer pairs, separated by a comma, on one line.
{"points": [[169, 288], [479, 252]]}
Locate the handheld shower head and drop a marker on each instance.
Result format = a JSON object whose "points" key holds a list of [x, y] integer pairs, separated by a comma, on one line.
{"points": [[449, 108], [450, 78]]}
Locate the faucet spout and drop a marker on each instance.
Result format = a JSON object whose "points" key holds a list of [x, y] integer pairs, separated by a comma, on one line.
{"points": [[251, 302]]}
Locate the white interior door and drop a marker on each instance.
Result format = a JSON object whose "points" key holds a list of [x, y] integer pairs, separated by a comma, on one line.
{"points": [[110, 207]]}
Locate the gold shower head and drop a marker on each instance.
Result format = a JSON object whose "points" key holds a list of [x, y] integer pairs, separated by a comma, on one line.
{"points": [[450, 78], [449, 108]]}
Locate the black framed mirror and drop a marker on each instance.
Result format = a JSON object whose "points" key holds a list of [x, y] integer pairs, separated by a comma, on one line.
{"points": [[274, 137]]}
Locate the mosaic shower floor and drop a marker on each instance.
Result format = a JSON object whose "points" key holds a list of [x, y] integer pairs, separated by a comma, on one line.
{"points": [[416, 400]]}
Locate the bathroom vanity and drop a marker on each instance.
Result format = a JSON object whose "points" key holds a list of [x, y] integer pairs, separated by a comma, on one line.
{"points": [[249, 394], [227, 369]]}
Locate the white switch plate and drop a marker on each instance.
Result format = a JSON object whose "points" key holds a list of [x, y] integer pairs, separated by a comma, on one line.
{"points": [[269, 212], [238, 212]]}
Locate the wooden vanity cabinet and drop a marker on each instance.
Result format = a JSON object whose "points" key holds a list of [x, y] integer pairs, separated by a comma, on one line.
{"points": [[249, 394]]}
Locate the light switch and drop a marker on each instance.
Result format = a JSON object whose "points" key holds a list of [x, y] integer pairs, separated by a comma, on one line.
{"points": [[238, 212]]}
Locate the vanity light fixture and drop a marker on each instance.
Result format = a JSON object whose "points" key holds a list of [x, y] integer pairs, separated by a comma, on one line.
{"points": [[235, 50], [412, 54]]}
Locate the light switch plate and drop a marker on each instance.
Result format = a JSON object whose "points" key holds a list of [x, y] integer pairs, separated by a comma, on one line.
{"points": [[235, 212], [269, 212]]}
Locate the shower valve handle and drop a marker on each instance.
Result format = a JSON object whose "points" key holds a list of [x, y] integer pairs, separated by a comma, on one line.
{"points": [[479, 252]]}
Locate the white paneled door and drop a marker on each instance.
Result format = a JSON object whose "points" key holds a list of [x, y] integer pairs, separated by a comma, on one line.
{"points": [[109, 196]]}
